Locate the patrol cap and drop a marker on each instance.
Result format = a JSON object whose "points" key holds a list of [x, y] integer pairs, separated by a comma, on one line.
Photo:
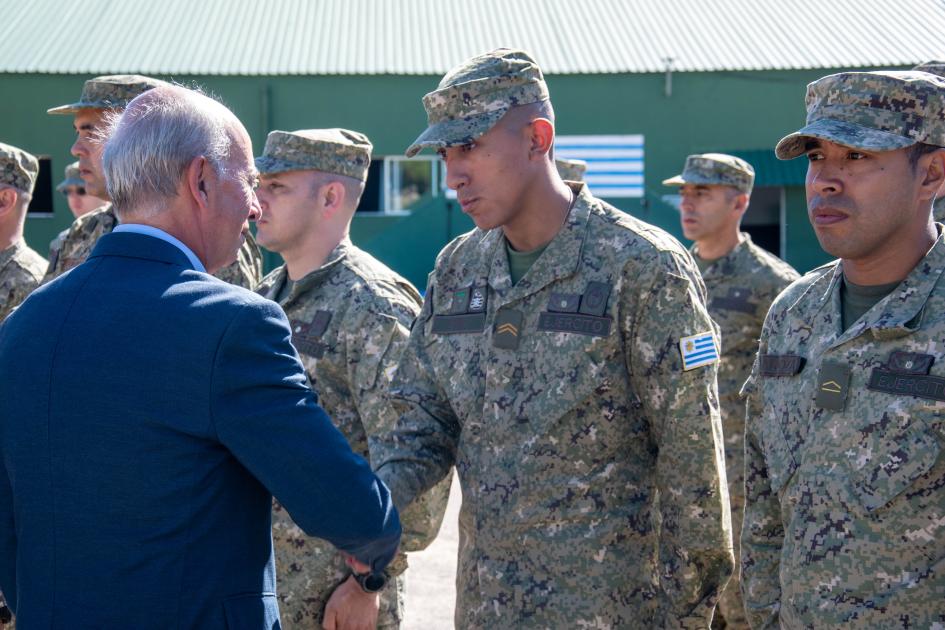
{"points": [[72, 178], [571, 170], [715, 169], [932, 67], [338, 151], [113, 91], [17, 167], [873, 111], [474, 95]]}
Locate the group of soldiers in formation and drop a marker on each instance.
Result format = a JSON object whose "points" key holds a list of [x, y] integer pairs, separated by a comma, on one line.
{"points": [[587, 377]]}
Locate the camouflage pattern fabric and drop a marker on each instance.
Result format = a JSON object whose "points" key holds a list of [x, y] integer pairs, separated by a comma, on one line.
{"points": [[85, 231], [571, 170], [845, 474], [350, 321], [472, 97], [338, 151], [113, 91], [938, 208], [715, 169], [21, 270], [873, 111], [591, 462], [17, 167], [741, 287]]}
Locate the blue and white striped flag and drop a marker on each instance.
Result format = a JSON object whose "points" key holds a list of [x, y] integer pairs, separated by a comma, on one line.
{"points": [[698, 350], [614, 162]]}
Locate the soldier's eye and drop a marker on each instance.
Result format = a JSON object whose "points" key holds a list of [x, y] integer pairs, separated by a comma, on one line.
{"points": [[466, 148], [856, 155], [814, 157]]}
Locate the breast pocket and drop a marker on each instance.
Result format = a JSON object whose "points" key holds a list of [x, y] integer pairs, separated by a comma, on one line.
{"points": [[786, 404], [890, 456]]}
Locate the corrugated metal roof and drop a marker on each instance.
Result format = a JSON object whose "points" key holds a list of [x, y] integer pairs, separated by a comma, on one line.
{"points": [[311, 37]]}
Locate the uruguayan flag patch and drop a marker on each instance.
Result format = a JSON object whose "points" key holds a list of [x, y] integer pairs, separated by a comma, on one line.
{"points": [[698, 350]]}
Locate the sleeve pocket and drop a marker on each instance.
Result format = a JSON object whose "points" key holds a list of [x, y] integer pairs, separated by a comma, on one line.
{"points": [[252, 612]]}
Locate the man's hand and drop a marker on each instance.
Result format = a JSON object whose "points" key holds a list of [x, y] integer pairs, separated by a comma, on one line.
{"points": [[350, 608], [355, 564]]}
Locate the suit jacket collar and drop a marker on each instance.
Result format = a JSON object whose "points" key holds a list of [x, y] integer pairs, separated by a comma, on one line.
{"points": [[141, 246]]}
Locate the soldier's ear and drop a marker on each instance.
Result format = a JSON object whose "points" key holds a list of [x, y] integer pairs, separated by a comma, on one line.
{"points": [[934, 178], [334, 196], [8, 198], [542, 133]]}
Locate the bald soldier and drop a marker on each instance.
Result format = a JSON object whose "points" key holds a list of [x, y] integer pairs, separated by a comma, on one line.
{"points": [[350, 317], [21, 268], [741, 280], [565, 362], [845, 427], [100, 97], [938, 207]]}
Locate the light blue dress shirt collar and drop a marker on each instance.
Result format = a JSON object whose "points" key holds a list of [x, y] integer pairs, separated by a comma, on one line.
{"points": [[147, 230]]}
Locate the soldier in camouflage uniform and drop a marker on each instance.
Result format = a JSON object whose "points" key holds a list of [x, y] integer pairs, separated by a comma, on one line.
{"points": [[845, 429], [80, 203], [938, 207], [100, 96], [571, 170], [565, 362], [350, 316], [21, 268], [741, 280]]}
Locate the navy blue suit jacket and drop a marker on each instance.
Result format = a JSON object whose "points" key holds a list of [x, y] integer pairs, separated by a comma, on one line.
{"points": [[147, 411]]}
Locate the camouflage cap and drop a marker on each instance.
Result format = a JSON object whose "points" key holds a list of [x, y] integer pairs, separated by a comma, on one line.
{"points": [[72, 178], [932, 67], [716, 169], [571, 170], [474, 95], [338, 151], [17, 167], [109, 92], [872, 111]]}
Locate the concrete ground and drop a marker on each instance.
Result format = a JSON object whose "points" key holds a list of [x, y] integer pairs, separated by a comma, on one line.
{"points": [[431, 579]]}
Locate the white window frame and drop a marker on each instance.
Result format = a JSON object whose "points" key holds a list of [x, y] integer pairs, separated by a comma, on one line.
{"points": [[390, 184]]}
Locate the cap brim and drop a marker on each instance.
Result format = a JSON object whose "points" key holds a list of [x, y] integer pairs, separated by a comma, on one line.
{"points": [[674, 181], [69, 182], [451, 133], [267, 165], [75, 107], [840, 132]]}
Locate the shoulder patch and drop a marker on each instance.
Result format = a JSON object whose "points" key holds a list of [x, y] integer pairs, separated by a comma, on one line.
{"points": [[698, 350]]}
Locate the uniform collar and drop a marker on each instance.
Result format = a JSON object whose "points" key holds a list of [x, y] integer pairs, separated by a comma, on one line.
{"points": [[8, 254], [896, 315], [561, 257], [729, 260], [314, 277]]}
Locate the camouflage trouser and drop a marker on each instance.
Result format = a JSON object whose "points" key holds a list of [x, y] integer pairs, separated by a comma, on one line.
{"points": [[730, 608]]}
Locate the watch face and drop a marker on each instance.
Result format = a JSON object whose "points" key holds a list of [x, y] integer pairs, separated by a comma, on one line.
{"points": [[374, 582]]}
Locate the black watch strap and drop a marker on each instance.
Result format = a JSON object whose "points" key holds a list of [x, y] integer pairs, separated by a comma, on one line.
{"points": [[371, 582]]}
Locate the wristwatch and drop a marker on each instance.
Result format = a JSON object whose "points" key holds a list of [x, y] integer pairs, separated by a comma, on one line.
{"points": [[371, 582]]}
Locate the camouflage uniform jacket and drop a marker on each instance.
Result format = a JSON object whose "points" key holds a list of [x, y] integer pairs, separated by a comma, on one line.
{"points": [[938, 209], [85, 231], [21, 269], [576, 436], [845, 473], [350, 320], [741, 287]]}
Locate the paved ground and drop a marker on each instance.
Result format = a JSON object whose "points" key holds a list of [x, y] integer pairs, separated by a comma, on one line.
{"points": [[431, 580]]}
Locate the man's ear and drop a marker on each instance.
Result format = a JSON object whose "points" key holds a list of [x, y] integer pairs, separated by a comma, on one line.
{"points": [[542, 132], [8, 198], [741, 203], [195, 180], [333, 196], [933, 184]]}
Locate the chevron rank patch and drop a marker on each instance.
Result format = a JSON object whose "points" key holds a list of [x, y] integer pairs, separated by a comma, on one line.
{"points": [[698, 350]]}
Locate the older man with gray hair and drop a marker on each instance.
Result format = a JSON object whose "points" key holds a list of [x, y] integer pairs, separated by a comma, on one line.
{"points": [[145, 502]]}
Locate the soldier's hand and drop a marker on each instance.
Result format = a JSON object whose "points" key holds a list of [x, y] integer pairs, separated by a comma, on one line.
{"points": [[350, 608]]}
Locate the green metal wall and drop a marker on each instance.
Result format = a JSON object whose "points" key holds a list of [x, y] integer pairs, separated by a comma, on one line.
{"points": [[732, 111]]}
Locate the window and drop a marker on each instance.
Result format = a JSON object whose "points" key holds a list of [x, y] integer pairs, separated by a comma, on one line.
{"points": [[396, 184], [42, 203]]}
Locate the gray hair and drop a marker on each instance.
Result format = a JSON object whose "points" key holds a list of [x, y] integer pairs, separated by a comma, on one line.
{"points": [[149, 146]]}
